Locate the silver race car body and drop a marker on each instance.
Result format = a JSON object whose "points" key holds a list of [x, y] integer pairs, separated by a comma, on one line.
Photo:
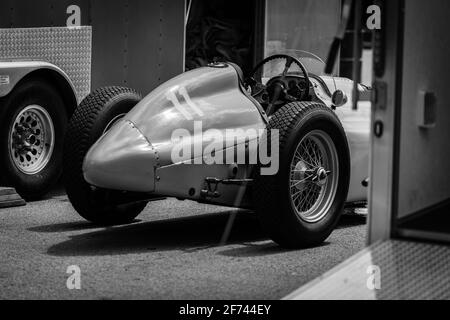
{"points": [[137, 153], [283, 142]]}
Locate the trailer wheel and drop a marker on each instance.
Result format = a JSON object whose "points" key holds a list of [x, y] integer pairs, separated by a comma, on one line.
{"points": [[95, 115], [33, 123], [301, 204]]}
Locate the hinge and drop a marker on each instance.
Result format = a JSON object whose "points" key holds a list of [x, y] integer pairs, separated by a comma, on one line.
{"points": [[379, 98]]}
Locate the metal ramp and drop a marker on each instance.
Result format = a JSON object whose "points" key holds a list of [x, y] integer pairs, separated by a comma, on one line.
{"points": [[407, 270]]}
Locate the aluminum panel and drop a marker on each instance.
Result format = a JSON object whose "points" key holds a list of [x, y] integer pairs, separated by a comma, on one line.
{"points": [[6, 12], [143, 34], [42, 13], [425, 181], [172, 39], [69, 49], [109, 43]]}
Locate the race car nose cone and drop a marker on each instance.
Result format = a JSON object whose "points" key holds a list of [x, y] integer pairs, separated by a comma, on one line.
{"points": [[122, 159]]}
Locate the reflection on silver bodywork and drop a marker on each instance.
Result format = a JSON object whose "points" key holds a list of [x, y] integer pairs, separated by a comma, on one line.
{"points": [[214, 98], [356, 124]]}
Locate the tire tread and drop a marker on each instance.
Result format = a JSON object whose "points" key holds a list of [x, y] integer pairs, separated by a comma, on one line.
{"points": [[79, 139]]}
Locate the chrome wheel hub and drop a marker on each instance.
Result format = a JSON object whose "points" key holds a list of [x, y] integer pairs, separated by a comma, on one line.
{"points": [[314, 176], [321, 176], [300, 174], [31, 140]]}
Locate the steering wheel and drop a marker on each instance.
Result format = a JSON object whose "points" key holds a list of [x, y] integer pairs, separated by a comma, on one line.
{"points": [[279, 84]]}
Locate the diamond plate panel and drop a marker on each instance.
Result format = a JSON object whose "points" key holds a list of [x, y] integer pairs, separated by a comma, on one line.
{"points": [[408, 271], [68, 48]]}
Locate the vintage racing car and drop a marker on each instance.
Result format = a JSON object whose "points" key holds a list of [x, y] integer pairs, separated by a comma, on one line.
{"points": [[283, 141]]}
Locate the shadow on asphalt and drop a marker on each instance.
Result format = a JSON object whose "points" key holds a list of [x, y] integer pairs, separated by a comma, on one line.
{"points": [[348, 221], [67, 227], [188, 234], [260, 250], [271, 248], [58, 191]]}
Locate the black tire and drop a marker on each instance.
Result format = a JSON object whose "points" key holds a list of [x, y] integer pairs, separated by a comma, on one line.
{"points": [[272, 194], [87, 125], [32, 185]]}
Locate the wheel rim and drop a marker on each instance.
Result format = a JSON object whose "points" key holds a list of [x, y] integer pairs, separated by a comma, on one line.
{"points": [[314, 176], [31, 140]]}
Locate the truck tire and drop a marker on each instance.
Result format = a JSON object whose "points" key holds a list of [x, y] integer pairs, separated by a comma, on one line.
{"points": [[301, 204], [96, 113], [33, 124]]}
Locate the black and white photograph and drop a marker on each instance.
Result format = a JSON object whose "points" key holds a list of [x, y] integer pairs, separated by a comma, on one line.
{"points": [[232, 158]]}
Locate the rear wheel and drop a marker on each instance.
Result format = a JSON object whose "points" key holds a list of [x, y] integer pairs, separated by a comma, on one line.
{"points": [[96, 114], [301, 204], [32, 128]]}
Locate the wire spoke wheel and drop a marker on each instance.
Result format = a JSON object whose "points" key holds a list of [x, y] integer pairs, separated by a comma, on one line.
{"points": [[314, 176], [31, 140], [300, 206]]}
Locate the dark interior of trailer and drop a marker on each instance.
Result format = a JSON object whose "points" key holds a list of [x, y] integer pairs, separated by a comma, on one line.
{"points": [[432, 223], [222, 30]]}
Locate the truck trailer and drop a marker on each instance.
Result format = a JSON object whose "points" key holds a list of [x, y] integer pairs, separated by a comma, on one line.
{"points": [[53, 53]]}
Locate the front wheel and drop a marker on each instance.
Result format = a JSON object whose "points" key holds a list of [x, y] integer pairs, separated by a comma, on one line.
{"points": [[301, 204], [96, 114]]}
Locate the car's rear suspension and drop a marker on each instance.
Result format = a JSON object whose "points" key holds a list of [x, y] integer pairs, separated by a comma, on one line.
{"points": [[213, 185]]}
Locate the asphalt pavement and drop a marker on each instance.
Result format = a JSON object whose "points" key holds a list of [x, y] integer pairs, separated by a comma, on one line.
{"points": [[174, 250]]}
